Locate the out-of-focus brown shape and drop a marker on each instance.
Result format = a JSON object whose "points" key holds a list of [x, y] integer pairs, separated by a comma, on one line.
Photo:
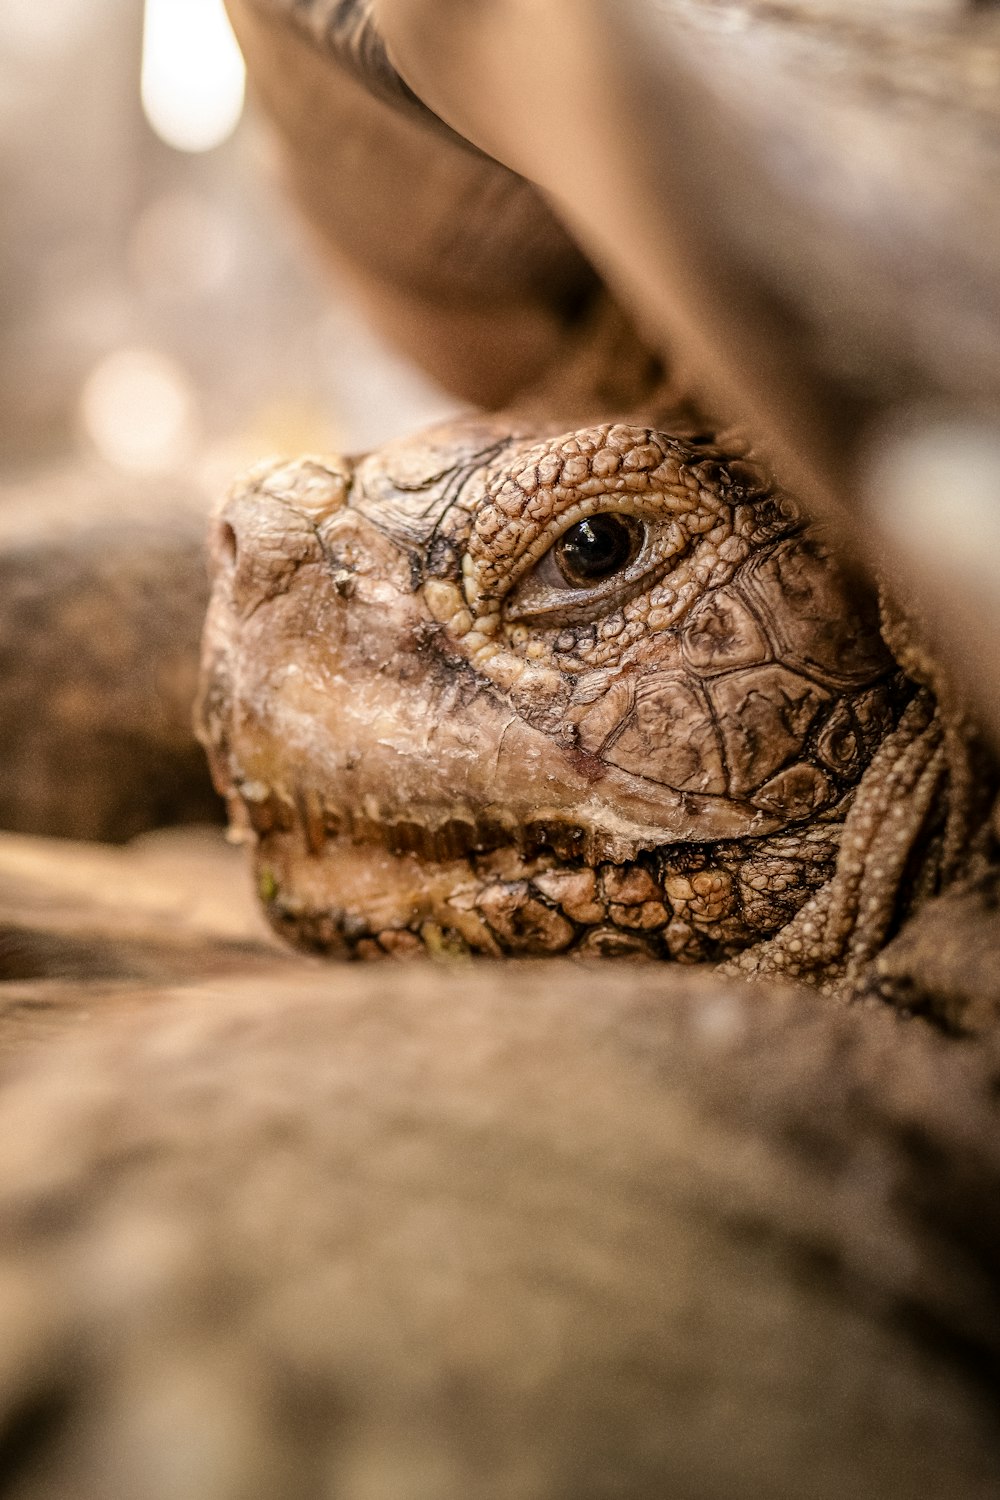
{"points": [[455, 257], [438, 1235], [804, 195], [100, 615], [88, 929]]}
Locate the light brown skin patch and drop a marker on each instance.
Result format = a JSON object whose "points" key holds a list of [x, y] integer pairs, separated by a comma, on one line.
{"points": [[601, 693]]}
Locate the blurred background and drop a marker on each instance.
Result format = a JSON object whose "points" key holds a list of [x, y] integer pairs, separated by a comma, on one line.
{"points": [[158, 307], [161, 326]]}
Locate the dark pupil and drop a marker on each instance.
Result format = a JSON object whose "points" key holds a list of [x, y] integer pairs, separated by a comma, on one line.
{"points": [[594, 549]]}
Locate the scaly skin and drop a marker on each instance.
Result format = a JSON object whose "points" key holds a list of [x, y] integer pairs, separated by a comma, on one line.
{"points": [[439, 736]]}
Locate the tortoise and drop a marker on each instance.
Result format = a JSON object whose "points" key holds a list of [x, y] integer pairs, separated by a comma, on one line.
{"points": [[789, 828], [600, 693]]}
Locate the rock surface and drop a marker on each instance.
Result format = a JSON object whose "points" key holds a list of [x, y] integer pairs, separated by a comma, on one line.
{"points": [[484, 1232]]}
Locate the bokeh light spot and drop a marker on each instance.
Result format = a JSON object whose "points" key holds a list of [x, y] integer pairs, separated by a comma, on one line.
{"points": [[137, 408], [193, 77]]}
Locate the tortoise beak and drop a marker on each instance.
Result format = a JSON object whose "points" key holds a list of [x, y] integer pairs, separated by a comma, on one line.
{"points": [[267, 529]]}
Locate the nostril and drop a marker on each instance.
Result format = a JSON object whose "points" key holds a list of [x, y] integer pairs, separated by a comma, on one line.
{"points": [[226, 541]]}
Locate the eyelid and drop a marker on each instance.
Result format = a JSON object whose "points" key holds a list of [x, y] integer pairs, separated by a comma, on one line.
{"points": [[502, 577], [535, 597]]}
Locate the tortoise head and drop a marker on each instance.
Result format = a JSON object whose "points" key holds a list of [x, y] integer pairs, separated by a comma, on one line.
{"points": [[599, 692]]}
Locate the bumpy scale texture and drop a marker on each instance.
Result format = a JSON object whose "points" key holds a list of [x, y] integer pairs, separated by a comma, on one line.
{"points": [[600, 693]]}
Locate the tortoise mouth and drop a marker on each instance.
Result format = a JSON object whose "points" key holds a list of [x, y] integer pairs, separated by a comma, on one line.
{"points": [[258, 808], [353, 887]]}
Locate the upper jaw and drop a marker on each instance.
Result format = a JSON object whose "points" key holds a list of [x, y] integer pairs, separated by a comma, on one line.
{"points": [[427, 759]]}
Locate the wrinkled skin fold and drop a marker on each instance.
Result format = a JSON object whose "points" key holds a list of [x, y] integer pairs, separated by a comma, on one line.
{"points": [[600, 693]]}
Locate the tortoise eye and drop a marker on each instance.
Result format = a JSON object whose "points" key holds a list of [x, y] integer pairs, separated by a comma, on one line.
{"points": [[595, 549], [585, 570]]}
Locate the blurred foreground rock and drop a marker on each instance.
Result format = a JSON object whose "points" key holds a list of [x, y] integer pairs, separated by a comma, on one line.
{"points": [[270, 1228], [88, 930]]}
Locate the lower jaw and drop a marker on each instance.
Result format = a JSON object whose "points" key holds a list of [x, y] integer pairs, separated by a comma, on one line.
{"points": [[681, 903]]}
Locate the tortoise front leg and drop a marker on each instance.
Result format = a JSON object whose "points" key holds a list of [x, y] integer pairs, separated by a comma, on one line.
{"points": [[457, 259]]}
